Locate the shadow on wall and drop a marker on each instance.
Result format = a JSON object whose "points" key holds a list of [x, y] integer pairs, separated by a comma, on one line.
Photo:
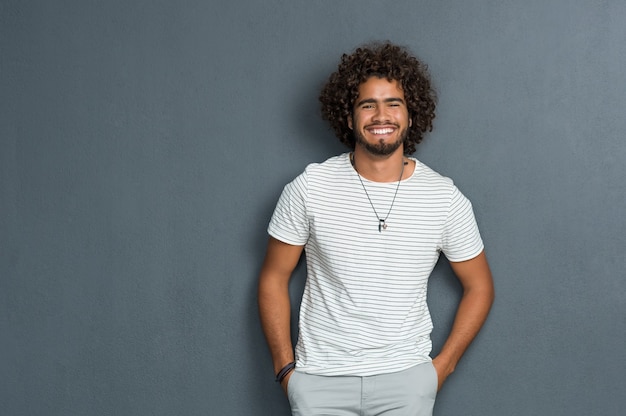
{"points": [[314, 143], [260, 379]]}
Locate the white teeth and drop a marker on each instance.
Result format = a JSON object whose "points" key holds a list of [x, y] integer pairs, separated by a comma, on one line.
{"points": [[382, 131]]}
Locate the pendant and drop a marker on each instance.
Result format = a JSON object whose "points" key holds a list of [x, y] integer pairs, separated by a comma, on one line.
{"points": [[381, 225]]}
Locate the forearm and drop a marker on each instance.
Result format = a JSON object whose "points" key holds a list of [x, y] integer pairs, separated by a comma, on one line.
{"points": [[275, 313], [273, 297], [470, 317]]}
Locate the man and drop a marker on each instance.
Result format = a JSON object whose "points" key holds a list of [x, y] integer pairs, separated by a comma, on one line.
{"points": [[372, 222]]}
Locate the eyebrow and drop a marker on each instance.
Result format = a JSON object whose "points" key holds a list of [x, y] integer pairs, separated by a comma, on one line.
{"points": [[373, 101]]}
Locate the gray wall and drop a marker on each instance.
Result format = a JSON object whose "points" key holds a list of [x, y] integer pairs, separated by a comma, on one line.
{"points": [[143, 145]]}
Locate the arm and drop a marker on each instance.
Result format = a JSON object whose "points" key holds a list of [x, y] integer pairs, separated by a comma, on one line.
{"points": [[274, 305], [478, 295]]}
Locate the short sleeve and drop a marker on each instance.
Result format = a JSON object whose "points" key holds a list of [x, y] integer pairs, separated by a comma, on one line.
{"points": [[461, 237], [289, 222]]}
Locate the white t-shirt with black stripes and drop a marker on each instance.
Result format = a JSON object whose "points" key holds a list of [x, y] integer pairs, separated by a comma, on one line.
{"points": [[364, 308]]}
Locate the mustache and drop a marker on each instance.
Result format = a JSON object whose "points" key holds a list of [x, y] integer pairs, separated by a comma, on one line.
{"points": [[383, 124]]}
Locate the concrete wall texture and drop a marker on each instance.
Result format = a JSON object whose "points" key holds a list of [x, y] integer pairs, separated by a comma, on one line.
{"points": [[143, 146]]}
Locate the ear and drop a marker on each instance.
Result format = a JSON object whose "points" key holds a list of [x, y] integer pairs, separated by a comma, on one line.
{"points": [[410, 122], [350, 122]]}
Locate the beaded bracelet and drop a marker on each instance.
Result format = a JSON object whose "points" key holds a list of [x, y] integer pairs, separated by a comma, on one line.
{"points": [[284, 371]]}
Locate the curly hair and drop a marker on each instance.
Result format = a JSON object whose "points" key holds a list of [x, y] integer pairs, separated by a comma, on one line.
{"points": [[382, 60]]}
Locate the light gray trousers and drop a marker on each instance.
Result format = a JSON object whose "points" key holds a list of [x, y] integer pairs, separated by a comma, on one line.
{"points": [[410, 392]]}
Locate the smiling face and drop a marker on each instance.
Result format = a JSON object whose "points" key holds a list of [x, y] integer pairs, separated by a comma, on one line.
{"points": [[380, 119]]}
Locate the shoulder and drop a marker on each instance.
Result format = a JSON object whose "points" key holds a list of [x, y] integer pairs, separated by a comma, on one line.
{"points": [[321, 173], [330, 166], [325, 172], [429, 176]]}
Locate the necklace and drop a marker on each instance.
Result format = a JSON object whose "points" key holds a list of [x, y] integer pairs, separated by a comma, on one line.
{"points": [[382, 222]]}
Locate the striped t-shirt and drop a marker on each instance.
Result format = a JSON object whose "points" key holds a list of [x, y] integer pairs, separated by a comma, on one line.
{"points": [[364, 308]]}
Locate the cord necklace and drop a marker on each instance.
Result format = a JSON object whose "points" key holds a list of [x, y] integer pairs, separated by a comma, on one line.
{"points": [[382, 222]]}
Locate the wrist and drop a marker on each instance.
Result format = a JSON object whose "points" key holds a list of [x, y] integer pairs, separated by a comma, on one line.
{"points": [[280, 376], [446, 365]]}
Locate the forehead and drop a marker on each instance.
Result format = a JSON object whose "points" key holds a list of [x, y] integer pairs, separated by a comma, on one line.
{"points": [[375, 87]]}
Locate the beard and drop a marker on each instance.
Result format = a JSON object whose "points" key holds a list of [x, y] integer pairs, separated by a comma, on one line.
{"points": [[381, 148]]}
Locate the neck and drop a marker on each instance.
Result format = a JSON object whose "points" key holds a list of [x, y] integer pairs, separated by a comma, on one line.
{"points": [[381, 168]]}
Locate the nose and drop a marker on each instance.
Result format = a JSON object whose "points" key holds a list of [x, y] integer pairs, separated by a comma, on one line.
{"points": [[380, 115]]}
